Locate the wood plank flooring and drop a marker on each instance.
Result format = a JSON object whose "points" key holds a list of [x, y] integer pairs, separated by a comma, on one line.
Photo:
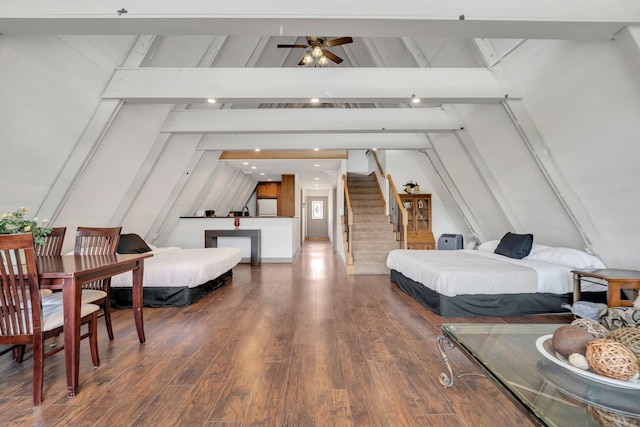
{"points": [[298, 344]]}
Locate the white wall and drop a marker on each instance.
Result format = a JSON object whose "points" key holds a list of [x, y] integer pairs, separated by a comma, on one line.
{"points": [[585, 100], [49, 91]]}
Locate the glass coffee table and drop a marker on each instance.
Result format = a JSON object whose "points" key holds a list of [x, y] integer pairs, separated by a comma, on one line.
{"points": [[551, 394]]}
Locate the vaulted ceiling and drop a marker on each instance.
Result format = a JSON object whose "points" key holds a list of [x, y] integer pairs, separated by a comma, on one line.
{"points": [[401, 51], [171, 57]]}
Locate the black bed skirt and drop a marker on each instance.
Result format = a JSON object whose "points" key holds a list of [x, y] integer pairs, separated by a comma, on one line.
{"points": [[168, 296], [489, 305]]}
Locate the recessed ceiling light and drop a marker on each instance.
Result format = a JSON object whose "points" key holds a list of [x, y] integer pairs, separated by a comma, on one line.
{"points": [[211, 101], [314, 100], [415, 100], [268, 179], [253, 167], [316, 165], [245, 163], [316, 149], [256, 149], [261, 173], [316, 178]]}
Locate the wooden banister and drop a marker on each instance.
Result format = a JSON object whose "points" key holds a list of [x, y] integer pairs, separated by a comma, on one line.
{"points": [[404, 218], [349, 224]]}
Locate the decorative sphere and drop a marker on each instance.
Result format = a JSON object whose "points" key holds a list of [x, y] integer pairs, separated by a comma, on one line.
{"points": [[571, 339]]}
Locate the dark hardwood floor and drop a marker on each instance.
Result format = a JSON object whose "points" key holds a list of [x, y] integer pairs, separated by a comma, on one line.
{"points": [[278, 345]]}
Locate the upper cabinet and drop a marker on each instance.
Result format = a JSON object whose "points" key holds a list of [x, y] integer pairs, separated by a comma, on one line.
{"points": [[268, 190]]}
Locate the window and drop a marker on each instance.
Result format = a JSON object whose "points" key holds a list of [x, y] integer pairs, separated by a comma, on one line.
{"points": [[317, 209]]}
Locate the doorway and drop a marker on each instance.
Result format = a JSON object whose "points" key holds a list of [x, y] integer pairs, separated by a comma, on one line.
{"points": [[317, 226]]}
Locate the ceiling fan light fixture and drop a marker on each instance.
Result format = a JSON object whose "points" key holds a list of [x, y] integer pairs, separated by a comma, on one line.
{"points": [[316, 51], [323, 60], [307, 59], [211, 101]]}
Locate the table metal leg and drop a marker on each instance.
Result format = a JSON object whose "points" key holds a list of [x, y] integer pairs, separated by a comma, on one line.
{"points": [[448, 379]]}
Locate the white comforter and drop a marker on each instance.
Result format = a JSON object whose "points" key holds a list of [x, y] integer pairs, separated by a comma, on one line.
{"points": [[177, 267], [470, 272]]}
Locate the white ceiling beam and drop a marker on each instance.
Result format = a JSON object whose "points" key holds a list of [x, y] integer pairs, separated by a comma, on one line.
{"points": [[311, 120], [299, 85], [336, 141], [568, 19]]}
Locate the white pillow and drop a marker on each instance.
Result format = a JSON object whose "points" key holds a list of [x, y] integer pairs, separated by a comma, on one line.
{"points": [[489, 246], [536, 248], [567, 257]]}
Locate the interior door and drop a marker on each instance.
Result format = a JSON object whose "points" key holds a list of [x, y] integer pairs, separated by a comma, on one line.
{"points": [[317, 227]]}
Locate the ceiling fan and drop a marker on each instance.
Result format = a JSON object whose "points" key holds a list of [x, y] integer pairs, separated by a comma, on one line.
{"points": [[318, 49]]}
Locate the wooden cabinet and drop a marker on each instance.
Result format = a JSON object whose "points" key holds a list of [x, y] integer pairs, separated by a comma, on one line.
{"points": [[419, 234], [287, 197], [268, 190]]}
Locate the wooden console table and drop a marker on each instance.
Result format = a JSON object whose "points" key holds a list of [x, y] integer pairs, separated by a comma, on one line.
{"points": [[211, 240], [616, 279]]}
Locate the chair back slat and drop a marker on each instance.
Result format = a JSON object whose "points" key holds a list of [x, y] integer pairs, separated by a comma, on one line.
{"points": [[97, 240], [52, 243], [20, 308]]}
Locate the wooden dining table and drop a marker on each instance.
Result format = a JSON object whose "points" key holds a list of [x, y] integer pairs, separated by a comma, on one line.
{"points": [[68, 273]]}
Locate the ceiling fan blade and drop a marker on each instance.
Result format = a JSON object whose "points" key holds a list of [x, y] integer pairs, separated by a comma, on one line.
{"points": [[304, 46], [301, 63], [332, 57], [339, 41]]}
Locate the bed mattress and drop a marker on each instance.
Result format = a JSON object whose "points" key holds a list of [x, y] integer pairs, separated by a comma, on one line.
{"points": [[177, 267], [471, 272]]}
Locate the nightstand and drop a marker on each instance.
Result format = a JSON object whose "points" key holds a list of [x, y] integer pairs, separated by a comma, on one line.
{"points": [[616, 280]]}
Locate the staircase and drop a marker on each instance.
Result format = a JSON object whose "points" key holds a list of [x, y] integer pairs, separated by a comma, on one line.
{"points": [[372, 233]]}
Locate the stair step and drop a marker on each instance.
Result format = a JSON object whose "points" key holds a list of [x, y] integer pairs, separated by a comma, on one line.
{"points": [[372, 226], [368, 210], [371, 256], [370, 268], [366, 218], [364, 193], [365, 203], [374, 235], [373, 245]]}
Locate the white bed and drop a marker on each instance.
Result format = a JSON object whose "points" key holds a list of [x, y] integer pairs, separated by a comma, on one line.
{"points": [[482, 283], [175, 276]]}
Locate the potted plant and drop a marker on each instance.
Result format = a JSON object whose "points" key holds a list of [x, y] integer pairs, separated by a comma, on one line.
{"points": [[16, 222]]}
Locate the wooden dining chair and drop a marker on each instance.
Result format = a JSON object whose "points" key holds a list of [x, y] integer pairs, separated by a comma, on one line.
{"points": [[98, 241], [94, 241], [23, 318], [52, 243]]}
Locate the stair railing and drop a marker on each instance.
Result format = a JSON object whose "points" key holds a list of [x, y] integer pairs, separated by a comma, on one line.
{"points": [[379, 175], [398, 212], [347, 223]]}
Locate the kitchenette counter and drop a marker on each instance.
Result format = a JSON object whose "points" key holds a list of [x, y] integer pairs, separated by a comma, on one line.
{"points": [[280, 235]]}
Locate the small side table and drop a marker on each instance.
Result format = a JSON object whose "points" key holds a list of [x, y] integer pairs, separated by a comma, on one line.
{"points": [[616, 279]]}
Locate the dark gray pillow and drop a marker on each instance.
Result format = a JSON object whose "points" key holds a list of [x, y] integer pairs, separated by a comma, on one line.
{"points": [[515, 246], [132, 244]]}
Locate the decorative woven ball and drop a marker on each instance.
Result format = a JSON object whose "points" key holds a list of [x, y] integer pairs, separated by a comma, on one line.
{"points": [[571, 339], [610, 419], [591, 326], [611, 359], [629, 337]]}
